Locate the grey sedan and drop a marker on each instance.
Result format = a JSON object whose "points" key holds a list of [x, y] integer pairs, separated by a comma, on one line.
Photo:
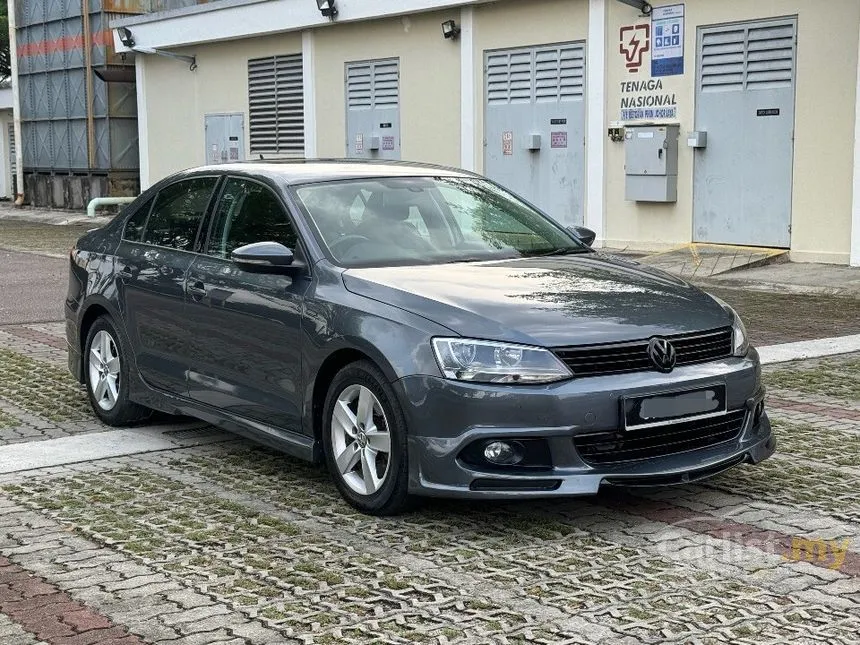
{"points": [[419, 329]]}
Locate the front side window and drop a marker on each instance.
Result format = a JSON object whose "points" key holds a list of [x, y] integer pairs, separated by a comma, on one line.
{"points": [[249, 212], [426, 220], [177, 213]]}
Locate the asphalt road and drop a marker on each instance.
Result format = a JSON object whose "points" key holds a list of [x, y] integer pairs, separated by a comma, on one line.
{"points": [[32, 287]]}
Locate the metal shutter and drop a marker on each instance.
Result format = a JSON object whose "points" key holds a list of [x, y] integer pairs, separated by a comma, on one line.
{"points": [[541, 75], [373, 85], [754, 57], [276, 105]]}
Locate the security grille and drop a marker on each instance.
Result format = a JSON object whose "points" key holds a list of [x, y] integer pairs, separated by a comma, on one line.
{"points": [[373, 85], [539, 75], [753, 57], [276, 105]]}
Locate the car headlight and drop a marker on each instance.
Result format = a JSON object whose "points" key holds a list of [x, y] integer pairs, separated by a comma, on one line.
{"points": [[483, 361], [740, 340]]}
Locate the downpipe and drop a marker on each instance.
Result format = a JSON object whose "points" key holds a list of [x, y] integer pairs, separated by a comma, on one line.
{"points": [[106, 201]]}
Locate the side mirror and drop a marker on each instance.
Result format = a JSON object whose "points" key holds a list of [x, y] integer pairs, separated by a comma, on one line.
{"points": [[263, 256], [584, 235]]}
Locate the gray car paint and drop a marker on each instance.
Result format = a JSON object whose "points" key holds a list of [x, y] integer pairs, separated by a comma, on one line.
{"points": [[327, 315]]}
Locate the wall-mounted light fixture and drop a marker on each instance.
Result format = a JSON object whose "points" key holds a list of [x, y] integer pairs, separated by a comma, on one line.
{"points": [[641, 5], [450, 29], [327, 8], [125, 36], [127, 39]]}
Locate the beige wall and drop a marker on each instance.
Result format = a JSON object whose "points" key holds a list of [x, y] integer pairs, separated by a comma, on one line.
{"points": [[429, 83], [514, 23], [177, 99], [823, 165]]}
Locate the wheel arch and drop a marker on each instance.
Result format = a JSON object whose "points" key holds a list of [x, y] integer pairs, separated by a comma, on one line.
{"points": [[331, 365]]}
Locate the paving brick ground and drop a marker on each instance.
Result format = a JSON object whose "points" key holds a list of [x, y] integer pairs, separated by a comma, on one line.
{"points": [[225, 542], [231, 543]]}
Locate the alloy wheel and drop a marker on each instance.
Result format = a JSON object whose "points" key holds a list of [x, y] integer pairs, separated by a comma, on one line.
{"points": [[104, 370], [361, 440]]}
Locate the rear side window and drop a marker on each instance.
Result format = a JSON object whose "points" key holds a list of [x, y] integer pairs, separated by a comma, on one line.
{"points": [[133, 231], [177, 213]]}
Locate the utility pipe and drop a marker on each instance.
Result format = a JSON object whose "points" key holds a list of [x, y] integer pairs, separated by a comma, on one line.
{"points": [[16, 104], [106, 201]]}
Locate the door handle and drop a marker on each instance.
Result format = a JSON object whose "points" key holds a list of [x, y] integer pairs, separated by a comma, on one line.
{"points": [[197, 290]]}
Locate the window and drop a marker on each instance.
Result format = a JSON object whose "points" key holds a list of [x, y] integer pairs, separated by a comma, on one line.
{"points": [[177, 213], [249, 212], [133, 231], [276, 112]]}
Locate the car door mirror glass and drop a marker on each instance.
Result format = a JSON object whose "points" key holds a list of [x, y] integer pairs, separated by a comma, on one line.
{"points": [[263, 255]]}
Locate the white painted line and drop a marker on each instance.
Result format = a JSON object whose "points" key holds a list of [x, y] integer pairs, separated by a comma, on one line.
{"points": [[86, 447], [809, 349]]}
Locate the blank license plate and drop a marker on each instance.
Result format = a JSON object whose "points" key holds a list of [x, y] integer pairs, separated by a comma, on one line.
{"points": [[659, 409]]}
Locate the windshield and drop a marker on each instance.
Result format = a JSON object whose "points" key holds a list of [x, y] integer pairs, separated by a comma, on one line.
{"points": [[428, 220]]}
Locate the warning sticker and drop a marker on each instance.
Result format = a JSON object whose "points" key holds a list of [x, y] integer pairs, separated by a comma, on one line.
{"points": [[558, 140], [508, 142], [388, 143], [359, 143]]}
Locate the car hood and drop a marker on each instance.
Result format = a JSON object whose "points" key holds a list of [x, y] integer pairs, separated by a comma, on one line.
{"points": [[554, 301]]}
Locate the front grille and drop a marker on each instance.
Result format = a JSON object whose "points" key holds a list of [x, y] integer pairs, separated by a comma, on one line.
{"points": [[632, 356], [634, 445]]}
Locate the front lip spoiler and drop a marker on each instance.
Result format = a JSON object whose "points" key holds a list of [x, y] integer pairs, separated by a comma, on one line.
{"points": [[652, 481]]}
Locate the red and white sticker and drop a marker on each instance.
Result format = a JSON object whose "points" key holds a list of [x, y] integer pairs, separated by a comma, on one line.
{"points": [[558, 140]]}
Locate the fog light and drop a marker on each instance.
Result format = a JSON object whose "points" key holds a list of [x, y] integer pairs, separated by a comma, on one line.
{"points": [[503, 453]]}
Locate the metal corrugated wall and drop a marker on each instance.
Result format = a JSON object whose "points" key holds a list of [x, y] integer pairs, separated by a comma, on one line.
{"points": [[52, 77]]}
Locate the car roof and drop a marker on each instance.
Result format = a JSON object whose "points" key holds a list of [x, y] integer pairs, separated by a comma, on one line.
{"points": [[305, 171]]}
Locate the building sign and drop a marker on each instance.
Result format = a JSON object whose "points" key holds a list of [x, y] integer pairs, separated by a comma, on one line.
{"points": [[359, 143], [667, 52], [635, 43], [767, 112], [558, 139], [508, 143], [647, 100], [388, 143]]}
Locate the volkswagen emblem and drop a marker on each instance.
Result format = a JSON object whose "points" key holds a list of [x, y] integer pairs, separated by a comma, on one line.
{"points": [[662, 354]]}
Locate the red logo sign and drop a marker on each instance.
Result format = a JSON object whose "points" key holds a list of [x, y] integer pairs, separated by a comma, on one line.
{"points": [[635, 43]]}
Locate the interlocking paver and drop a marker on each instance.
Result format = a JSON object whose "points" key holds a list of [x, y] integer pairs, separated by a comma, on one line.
{"points": [[231, 543]]}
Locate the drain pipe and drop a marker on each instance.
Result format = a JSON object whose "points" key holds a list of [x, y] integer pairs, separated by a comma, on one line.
{"points": [[16, 104], [106, 201]]}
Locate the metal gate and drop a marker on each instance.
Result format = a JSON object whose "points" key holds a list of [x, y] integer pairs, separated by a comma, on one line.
{"points": [[225, 137], [534, 125], [373, 109], [745, 92]]}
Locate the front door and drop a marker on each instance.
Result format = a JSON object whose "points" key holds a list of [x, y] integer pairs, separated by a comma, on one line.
{"points": [[156, 252], [745, 103], [246, 355]]}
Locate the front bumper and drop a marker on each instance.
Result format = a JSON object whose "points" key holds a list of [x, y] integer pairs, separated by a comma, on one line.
{"points": [[444, 417]]}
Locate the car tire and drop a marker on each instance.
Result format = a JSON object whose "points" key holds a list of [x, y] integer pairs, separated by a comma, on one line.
{"points": [[106, 375], [371, 480]]}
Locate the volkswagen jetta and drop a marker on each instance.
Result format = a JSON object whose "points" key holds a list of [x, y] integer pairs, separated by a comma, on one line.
{"points": [[420, 329]]}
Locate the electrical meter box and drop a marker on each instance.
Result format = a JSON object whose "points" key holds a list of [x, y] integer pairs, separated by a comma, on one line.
{"points": [[651, 163]]}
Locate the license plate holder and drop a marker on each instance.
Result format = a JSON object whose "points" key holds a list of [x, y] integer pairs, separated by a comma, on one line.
{"points": [[662, 408]]}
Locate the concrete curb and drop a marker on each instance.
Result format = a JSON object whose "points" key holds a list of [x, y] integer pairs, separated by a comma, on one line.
{"points": [[809, 349]]}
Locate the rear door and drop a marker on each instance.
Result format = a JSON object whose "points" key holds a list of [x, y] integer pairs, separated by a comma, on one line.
{"points": [[247, 325], [152, 262]]}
